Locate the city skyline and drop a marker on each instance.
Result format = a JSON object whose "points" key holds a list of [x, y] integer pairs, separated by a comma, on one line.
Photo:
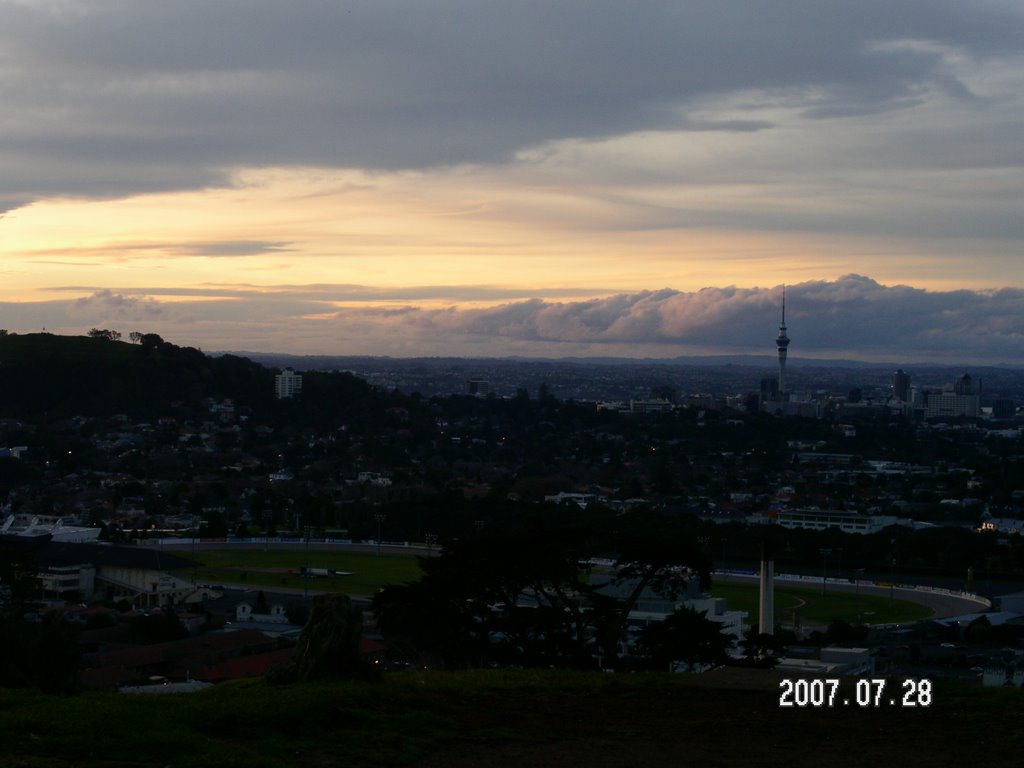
{"points": [[561, 180]]}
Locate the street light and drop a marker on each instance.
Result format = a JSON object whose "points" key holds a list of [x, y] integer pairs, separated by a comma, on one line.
{"points": [[857, 573], [380, 521], [307, 530], [195, 537], [892, 572], [824, 568]]}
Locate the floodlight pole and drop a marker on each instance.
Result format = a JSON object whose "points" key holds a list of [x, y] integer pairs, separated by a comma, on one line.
{"points": [[857, 573], [824, 567], [308, 530], [380, 522], [195, 537]]}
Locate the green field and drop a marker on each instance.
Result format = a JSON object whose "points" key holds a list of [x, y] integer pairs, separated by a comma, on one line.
{"points": [[816, 608], [277, 568]]}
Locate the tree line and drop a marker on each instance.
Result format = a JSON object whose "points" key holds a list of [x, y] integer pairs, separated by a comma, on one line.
{"points": [[555, 593]]}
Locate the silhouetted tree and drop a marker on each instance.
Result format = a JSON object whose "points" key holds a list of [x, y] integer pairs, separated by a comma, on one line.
{"points": [[161, 627], [684, 636], [328, 648], [43, 655], [525, 595], [759, 649], [103, 333]]}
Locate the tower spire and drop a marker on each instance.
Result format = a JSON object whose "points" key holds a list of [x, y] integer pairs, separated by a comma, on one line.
{"points": [[782, 343]]}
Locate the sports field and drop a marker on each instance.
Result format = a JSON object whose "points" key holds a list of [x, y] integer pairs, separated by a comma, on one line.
{"points": [[811, 606], [282, 568]]}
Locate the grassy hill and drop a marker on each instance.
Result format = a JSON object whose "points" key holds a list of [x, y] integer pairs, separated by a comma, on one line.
{"points": [[502, 718]]}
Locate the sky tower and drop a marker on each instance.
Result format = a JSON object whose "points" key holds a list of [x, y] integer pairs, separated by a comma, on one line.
{"points": [[782, 342]]}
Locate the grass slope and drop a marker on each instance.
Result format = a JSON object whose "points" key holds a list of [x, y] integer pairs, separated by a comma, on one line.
{"points": [[503, 718]]}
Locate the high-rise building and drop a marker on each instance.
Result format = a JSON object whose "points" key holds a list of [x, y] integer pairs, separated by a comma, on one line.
{"points": [[1003, 408], [901, 386], [963, 385], [478, 387], [782, 342], [287, 384]]}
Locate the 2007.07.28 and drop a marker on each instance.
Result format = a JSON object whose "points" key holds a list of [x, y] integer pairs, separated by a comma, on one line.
{"points": [[867, 692]]}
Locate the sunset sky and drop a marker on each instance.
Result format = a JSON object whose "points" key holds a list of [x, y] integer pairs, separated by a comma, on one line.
{"points": [[575, 177]]}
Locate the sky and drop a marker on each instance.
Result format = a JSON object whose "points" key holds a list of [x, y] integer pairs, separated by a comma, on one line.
{"points": [[539, 178]]}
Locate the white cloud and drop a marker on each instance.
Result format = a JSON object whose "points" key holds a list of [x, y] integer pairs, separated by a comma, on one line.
{"points": [[107, 307]]}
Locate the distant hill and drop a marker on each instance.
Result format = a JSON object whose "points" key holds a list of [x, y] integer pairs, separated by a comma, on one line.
{"points": [[70, 375], [63, 376]]}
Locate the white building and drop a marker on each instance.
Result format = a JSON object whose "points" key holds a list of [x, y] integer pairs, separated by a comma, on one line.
{"points": [[143, 576], [245, 611], [650, 406], [287, 384], [823, 519], [951, 405]]}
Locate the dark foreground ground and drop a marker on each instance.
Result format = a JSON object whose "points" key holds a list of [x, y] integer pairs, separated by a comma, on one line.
{"points": [[728, 718]]}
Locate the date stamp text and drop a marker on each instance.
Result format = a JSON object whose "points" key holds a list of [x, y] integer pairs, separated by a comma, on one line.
{"points": [[867, 692]]}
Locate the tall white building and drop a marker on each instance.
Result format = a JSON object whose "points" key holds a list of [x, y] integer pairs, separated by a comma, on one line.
{"points": [[287, 384]]}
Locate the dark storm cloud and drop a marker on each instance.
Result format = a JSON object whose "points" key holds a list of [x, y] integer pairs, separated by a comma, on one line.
{"points": [[112, 97]]}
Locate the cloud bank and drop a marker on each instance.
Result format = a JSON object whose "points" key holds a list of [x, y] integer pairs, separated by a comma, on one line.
{"points": [[852, 317]]}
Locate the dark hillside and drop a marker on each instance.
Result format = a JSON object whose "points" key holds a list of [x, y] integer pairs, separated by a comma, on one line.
{"points": [[70, 375]]}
